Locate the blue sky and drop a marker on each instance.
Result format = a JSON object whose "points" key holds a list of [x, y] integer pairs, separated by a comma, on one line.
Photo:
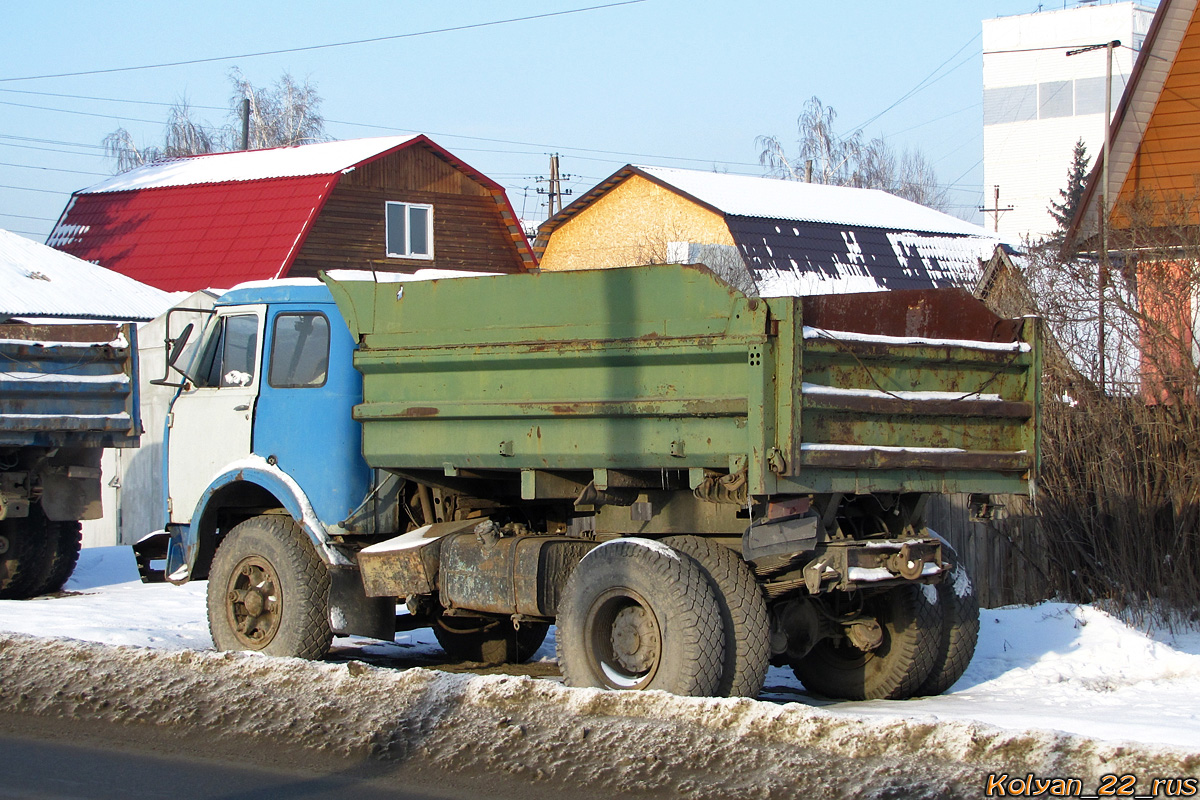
{"points": [[663, 82]]}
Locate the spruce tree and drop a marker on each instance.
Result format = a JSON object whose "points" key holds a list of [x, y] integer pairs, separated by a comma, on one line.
{"points": [[1064, 211]]}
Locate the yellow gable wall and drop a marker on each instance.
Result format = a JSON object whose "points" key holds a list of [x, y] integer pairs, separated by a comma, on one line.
{"points": [[631, 224]]}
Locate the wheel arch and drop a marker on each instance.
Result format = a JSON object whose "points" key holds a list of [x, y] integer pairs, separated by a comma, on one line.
{"points": [[243, 492]]}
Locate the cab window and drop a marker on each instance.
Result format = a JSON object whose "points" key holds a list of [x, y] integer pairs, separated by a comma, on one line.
{"points": [[299, 351], [230, 354]]}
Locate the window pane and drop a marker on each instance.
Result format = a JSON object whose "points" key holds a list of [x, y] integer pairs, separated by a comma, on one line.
{"points": [[418, 231], [299, 351], [240, 347], [395, 229], [1055, 99], [1009, 104]]}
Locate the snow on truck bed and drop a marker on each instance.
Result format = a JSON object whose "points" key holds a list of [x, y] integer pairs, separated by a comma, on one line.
{"points": [[1053, 689]]}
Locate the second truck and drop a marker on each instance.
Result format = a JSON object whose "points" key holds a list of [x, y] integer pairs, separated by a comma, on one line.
{"points": [[690, 483]]}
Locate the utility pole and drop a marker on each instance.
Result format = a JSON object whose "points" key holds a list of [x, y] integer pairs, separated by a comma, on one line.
{"points": [[554, 191], [996, 209], [245, 123], [1103, 269]]}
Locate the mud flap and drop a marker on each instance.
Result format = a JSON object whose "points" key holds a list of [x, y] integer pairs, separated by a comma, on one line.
{"points": [[352, 613]]}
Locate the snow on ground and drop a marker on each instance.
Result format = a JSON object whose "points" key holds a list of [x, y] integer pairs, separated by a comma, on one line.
{"points": [[1054, 666]]}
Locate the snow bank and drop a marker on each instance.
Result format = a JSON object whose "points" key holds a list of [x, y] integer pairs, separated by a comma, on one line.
{"points": [[590, 742], [1055, 689]]}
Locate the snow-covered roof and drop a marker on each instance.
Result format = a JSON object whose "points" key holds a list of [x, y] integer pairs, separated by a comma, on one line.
{"points": [[40, 281], [771, 198], [325, 158]]}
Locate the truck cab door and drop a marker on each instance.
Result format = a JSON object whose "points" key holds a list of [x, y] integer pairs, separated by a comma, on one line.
{"points": [[212, 418]]}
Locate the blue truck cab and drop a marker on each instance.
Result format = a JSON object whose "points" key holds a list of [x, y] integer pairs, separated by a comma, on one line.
{"points": [[261, 429]]}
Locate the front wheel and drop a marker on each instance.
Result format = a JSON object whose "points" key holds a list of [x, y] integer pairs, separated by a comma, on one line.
{"points": [[268, 590], [895, 668], [637, 614]]}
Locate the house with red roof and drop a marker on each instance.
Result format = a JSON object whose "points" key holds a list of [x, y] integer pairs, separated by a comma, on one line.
{"points": [[390, 204]]}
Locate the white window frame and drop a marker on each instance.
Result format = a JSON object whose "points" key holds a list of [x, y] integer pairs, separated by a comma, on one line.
{"points": [[408, 230]]}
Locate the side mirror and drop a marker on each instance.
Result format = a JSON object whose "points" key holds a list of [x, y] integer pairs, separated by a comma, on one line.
{"points": [[178, 343], [174, 346]]}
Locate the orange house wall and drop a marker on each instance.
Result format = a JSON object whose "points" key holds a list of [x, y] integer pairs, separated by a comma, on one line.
{"points": [[629, 225]]}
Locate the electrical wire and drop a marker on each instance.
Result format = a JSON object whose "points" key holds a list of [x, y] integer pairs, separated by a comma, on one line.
{"points": [[323, 46]]}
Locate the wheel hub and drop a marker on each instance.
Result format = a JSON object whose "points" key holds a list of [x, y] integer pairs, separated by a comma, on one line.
{"points": [[634, 639], [253, 602]]}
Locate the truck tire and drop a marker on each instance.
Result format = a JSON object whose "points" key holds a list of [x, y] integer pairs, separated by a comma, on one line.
{"points": [[489, 640], [636, 614], [893, 670], [743, 614], [268, 590], [24, 553], [63, 541], [959, 630]]}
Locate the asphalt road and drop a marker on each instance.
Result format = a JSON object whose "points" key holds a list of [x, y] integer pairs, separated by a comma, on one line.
{"points": [[35, 767]]}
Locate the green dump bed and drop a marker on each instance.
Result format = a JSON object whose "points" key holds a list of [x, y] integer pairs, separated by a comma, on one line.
{"points": [[666, 367]]}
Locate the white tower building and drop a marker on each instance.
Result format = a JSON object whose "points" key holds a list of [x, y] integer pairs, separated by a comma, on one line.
{"points": [[1037, 102]]}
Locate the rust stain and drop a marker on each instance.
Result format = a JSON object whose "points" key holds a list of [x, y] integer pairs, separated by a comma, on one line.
{"points": [[421, 411]]}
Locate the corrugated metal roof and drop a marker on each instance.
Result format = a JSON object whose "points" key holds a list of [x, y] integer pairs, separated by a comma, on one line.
{"points": [[770, 198], [207, 235], [805, 258], [326, 158], [40, 281], [218, 220]]}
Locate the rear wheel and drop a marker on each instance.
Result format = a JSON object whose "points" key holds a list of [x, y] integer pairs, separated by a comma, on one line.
{"points": [[959, 631], [64, 540], [24, 554], [743, 614], [489, 640], [910, 628], [268, 590], [637, 614]]}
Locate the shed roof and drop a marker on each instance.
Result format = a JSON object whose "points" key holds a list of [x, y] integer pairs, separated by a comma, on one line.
{"points": [[217, 220], [40, 281], [772, 198]]}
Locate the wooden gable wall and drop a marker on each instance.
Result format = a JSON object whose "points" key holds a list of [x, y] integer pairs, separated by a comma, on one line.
{"points": [[1166, 167], [632, 223], [469, 230]]}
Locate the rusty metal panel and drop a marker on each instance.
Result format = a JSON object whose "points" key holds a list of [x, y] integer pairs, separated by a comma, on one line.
{"points": [[407, 565], [543, 566], [69, 385], [666, 368], [507, 574]]}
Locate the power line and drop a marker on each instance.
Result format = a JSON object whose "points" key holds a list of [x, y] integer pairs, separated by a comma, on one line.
{"points": [[29, 189], [53, 169], [108, 99], [23, 216], [923, 82], [323, 46], [80, 113]]}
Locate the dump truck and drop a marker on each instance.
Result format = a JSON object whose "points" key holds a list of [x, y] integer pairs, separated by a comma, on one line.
{"points": [[691, 484], [67, 391]]}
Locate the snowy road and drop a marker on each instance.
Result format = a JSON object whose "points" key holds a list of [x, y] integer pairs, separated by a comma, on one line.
{"points": [[1037, 671]]}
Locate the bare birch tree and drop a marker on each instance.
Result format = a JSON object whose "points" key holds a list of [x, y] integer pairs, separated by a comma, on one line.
{"points": [[285, 113], [849, 160]]}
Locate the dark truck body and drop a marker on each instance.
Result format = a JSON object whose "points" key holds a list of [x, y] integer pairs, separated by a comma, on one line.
{"points": [[67, 391]]}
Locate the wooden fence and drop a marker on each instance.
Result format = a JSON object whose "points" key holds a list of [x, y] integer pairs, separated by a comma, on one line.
{"points": [[1004, 556]]}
